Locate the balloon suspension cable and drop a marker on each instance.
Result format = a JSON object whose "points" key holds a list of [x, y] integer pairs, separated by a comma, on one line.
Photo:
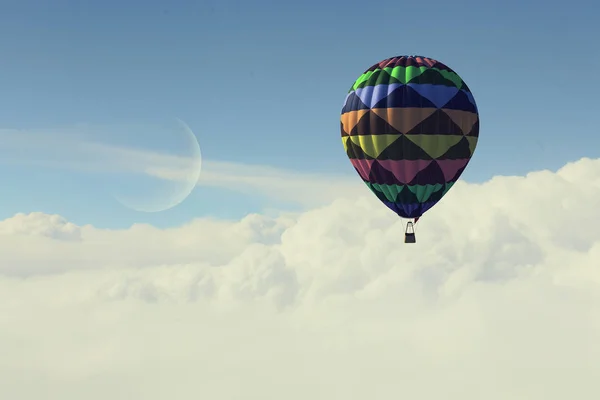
{"points": [[415, 224]]}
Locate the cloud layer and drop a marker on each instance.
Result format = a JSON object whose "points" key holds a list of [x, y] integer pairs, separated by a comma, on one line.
{"points": [[499, 299]]}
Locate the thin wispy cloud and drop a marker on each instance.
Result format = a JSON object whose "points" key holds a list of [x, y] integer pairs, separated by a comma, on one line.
{"points": [[70, 150]]}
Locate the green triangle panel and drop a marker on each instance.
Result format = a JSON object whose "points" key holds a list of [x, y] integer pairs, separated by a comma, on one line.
{"points": [[424, 192], [434, 77], [379, 77], [405, 74]]}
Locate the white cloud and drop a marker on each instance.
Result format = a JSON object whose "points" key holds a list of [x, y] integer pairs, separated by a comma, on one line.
{"points": [[307, 189], [498, 300]]}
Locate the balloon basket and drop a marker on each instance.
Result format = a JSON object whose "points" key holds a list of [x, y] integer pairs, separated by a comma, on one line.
{"points": [[409, 237]]}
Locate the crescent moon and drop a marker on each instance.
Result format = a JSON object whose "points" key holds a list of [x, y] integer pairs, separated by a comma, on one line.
{"points": [[171, 198]]}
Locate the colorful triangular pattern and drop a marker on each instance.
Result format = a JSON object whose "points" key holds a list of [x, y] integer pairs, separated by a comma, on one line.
{"points": [[409, 126]]}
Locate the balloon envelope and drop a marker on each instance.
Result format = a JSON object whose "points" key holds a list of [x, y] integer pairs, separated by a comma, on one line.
{"points": [[409, 127]]}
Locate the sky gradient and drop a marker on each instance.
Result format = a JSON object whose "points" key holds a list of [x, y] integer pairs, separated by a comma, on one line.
{"points": [[262, 83]]}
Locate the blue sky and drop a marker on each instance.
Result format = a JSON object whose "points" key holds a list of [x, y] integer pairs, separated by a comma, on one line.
{"points": [[262, 83]]}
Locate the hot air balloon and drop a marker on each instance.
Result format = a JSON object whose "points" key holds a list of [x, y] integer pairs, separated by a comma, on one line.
{"points": [[409, 127]]}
